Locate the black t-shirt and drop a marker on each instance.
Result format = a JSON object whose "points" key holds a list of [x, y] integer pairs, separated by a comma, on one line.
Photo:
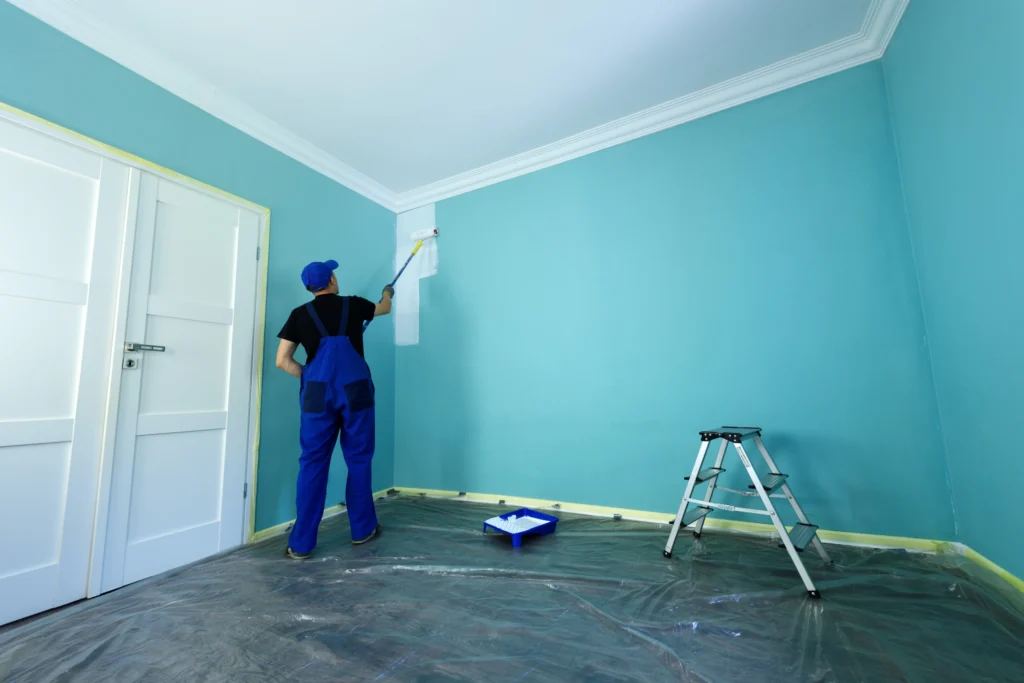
{"points": [[301, 329]]}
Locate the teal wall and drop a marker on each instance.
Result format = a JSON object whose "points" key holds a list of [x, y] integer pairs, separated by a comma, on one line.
{"points": [[50, 75], [954, 73], [755, 266], [751, 267]]}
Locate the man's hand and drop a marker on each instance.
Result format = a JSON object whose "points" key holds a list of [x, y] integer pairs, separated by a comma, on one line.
{"points": [[384, 305], [285, 358]]}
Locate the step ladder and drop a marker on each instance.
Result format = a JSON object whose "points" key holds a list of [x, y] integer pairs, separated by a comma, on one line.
{"points": [[794, 540]]}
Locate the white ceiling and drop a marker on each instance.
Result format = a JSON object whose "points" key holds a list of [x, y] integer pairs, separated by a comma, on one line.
{"points": [[404, 100]]}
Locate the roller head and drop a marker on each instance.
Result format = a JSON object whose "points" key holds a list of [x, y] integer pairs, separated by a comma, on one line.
{"points": [[424, 234]]}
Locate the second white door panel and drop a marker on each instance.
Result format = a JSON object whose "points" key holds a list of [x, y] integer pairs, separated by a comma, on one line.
{"points": [[54, 331], [191, 375], [43, 470], [153, 556], [176, 484]]}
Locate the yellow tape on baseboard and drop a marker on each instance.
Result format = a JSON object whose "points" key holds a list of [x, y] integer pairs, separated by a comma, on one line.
{"points": [[279, 529], [978, 558], [833, 537], [578, 508]]}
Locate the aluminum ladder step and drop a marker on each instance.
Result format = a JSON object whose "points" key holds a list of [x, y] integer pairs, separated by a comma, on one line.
{"points": [[695, 513], [801, 536], [706, 474], [772, 481], [766, 483]]}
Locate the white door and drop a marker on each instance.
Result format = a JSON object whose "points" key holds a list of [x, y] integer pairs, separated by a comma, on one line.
{"points": [[176, 493], [62, 220]]}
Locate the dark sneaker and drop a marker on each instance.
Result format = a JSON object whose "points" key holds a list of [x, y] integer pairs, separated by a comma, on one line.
{"points": [[373, 534], [289, 553]]}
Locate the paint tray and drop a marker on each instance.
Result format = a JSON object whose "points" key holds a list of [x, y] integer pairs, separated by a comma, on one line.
{"points": [[522, 522]]}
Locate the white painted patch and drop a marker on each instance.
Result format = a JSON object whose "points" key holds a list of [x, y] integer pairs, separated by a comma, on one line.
{"points": [[406, 309]]}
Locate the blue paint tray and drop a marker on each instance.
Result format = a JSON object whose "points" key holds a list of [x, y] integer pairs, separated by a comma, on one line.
{"points": [[522, 522]]}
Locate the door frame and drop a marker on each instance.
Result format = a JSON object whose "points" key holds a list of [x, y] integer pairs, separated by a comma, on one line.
{"points": [[137, 165]]}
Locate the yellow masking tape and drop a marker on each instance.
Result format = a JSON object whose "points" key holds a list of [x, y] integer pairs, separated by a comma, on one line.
{"points": [[833, 537], [578, 508], [128, 157], [279, 529], [261, 326], [836, 537], [980, 559]]}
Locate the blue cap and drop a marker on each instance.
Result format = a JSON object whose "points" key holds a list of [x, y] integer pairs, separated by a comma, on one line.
{"points": [[317, 275]]}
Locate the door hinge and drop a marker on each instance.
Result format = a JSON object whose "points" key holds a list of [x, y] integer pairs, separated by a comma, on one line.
{"points": [[245, 490], [257, 253]]}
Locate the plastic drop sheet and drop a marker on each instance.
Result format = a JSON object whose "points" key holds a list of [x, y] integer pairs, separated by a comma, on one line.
{"points": [[434, 599]]}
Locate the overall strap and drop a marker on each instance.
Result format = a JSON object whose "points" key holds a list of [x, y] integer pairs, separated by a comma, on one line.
{"points": [[316, 319], [343, 327]]}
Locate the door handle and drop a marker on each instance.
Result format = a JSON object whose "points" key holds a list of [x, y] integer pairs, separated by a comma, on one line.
{"points": [[134, 346]]}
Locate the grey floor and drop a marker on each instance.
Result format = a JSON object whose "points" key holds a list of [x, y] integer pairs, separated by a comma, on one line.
{"points": [[434, 599]]}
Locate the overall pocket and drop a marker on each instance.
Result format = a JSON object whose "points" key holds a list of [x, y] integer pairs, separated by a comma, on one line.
{"points": [[359, 395], [314, 397]]}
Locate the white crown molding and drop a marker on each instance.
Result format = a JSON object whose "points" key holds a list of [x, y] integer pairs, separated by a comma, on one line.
{"points": [[867, 45], [79, 23]]}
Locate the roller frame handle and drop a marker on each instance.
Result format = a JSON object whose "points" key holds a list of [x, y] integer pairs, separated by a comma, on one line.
{"points": [[401, 270]]}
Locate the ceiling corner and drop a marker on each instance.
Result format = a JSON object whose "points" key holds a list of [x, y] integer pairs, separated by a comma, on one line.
{"points": [[880, 25]]}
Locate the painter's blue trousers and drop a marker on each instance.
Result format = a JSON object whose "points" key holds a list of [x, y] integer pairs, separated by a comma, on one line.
{"points": [[337, 397]]}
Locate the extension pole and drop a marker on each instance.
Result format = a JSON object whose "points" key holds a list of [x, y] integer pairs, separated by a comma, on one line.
{"points": [[419, 237]]}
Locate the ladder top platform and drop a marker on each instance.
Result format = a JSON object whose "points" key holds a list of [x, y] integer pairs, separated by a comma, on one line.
{"points": [[732, 434]]}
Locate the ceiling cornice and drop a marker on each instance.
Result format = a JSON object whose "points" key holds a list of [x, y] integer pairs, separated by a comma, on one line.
{"points": [[868, 44]]}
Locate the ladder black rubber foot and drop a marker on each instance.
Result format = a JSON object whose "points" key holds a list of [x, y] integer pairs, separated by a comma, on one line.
{"points": [[814, 594], [666, 554], [696, 534]]}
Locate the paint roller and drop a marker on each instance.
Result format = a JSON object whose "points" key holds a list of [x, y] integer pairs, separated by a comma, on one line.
{"points": [[419, 236]]}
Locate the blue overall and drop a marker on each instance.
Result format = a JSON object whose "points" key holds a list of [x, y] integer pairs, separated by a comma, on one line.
{"points": [[336, 394]]}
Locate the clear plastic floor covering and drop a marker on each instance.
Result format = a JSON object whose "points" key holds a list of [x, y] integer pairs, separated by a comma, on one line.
{"points": [[434, 599]]}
